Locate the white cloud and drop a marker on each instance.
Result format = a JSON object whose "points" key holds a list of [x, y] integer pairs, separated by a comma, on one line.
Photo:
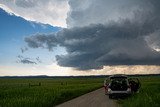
{"points": [[8, 10], [58, 70], [53, 12]]}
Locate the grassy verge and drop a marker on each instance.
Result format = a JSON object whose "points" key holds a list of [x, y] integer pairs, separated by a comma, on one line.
{"points": [[44, 92], [149, 95]]}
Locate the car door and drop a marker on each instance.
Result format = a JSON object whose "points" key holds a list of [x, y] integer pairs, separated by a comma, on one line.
{"points": [[134, 84]]}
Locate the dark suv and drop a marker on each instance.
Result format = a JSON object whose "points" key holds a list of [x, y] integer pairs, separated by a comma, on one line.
{"points": [[120, 85]]}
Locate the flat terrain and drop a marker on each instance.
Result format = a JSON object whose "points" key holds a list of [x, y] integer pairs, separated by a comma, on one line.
{"points": [[49, 92], [148, 96], [93, 99], [44, 92]]}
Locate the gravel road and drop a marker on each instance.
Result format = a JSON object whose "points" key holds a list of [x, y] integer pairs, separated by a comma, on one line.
{"points": [[95, 98]]}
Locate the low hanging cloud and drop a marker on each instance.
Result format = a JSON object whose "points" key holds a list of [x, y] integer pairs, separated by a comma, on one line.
{"points": [[42, 40], [126, 41]]}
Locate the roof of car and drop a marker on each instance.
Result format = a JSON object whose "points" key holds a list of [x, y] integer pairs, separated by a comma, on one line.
{"points": [[118, 76]]}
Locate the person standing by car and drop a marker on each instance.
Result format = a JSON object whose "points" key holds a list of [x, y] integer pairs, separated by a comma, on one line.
{"points": [[106, 86]]}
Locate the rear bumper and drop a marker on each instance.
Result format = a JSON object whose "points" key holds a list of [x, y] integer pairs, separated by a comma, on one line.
{"points": [[119, 92]]}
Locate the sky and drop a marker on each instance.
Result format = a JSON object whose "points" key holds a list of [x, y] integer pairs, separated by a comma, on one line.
{"points": [[79, 37]]}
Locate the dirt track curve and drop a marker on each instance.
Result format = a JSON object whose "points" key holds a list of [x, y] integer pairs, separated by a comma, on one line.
{"points": [[95, 98]]}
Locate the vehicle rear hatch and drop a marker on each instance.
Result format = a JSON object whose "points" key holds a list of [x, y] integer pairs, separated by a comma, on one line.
{"points": [[119, 84]]}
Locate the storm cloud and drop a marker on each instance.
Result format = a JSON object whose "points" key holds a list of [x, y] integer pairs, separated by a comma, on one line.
{"points": [[42, 40], [85, 12], [92, 42]]}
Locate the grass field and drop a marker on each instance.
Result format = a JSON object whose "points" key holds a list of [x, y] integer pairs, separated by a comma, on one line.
{"points": [[43, 92], [149, 95], [47, 92]]}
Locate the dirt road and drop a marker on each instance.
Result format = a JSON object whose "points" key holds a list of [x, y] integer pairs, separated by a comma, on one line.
{"points": [[93, 99]]}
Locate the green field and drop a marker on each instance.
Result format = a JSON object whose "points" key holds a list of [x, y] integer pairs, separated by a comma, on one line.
{"points": [[47, 92], [148, 96], [43, 92]]}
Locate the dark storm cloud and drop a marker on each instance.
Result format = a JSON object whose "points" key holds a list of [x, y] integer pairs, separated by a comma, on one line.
{"points": [[85, 12], [123, 42], [94, 46], [42, 40]]}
